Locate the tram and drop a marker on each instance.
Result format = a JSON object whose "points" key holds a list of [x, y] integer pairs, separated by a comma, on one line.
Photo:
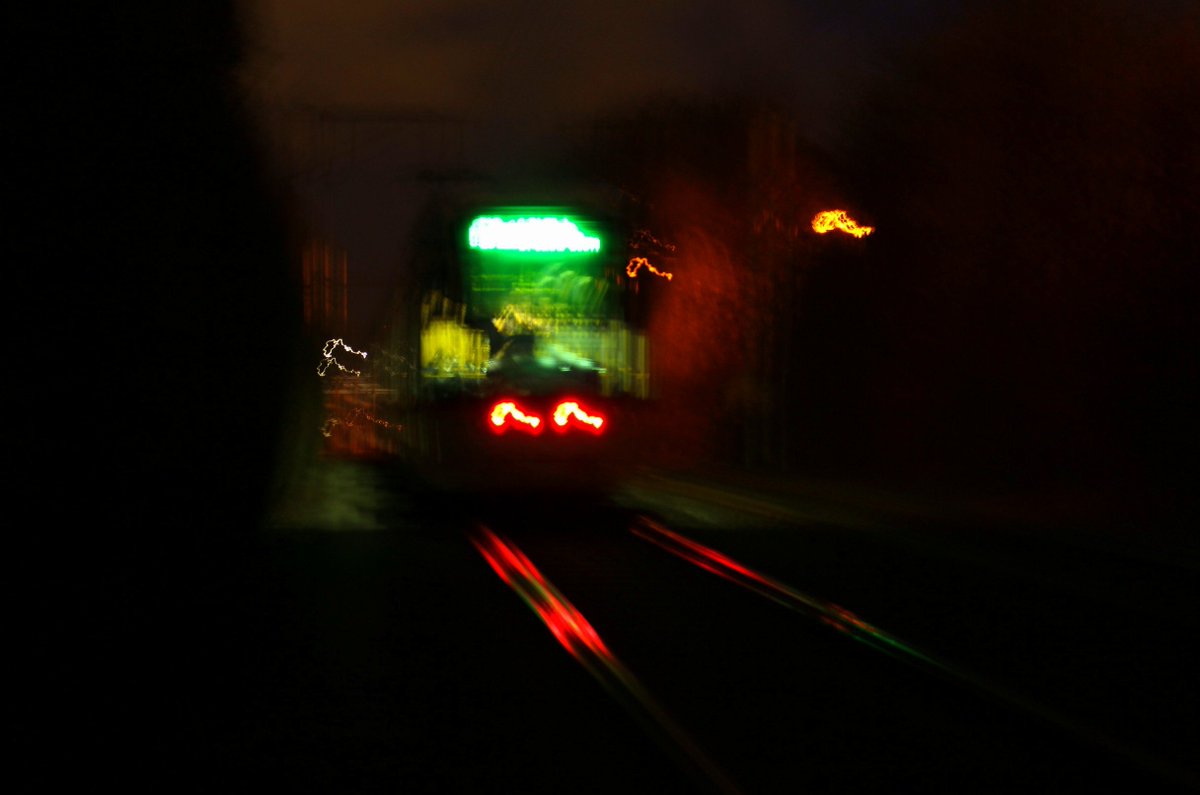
{"points": [[533, 367]]}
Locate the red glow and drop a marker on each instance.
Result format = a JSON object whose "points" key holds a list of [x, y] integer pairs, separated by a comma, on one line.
{"points": [[569, 412], [577, 636], [713, 561], [566, 623], [827, 612], [506, 414]]}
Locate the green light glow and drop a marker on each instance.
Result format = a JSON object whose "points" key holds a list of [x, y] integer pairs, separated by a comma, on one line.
{"points": [[493, 233]]}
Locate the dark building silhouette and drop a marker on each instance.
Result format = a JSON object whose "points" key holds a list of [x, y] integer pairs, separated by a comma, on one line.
{"points": [[162, 284]]}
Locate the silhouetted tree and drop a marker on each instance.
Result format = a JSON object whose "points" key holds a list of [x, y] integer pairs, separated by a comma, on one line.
{"points": [[164, 259]]}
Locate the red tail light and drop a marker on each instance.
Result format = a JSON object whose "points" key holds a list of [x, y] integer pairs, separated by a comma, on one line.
{"points": [[566, 415], [506, 414], [570, 413]]}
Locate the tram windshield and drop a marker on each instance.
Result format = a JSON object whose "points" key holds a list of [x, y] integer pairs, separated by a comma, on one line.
{"points": [[540, 312]]}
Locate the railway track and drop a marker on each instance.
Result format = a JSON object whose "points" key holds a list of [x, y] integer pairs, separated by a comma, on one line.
{"points": [[1026, 720]]}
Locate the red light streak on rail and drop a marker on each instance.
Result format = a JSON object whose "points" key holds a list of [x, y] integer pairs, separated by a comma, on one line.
{"points": [[565, 622], [581, 640], [569, 409], [829, 613], [848, 623], [637, 263]]}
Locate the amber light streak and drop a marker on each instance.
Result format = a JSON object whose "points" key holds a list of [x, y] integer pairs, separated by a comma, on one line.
{"points": [[829, 220], [637, 263], [350, 420], [581, 640]]}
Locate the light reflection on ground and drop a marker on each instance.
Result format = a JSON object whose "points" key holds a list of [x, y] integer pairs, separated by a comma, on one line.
{"points": [[334, 495]]}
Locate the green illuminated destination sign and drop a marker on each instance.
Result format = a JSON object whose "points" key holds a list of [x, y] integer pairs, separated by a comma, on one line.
{"points": [[531, 234]]}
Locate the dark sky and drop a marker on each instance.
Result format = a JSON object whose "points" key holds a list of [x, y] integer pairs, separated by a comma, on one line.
{"points": [[518, 70], [532, 61]]}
